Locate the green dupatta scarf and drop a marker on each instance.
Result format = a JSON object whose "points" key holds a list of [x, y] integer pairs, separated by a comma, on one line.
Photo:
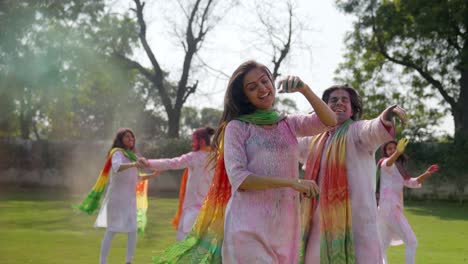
{"points": [[261, 117]]}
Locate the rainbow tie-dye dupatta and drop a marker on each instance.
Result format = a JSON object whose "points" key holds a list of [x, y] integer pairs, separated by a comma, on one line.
{"points": [[336, 237], [92, 201], [204, 242]]}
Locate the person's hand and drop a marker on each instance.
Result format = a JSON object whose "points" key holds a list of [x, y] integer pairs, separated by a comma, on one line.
{"points": [[142, 163], [388, 115], [149, 175], [307, 187], [291, 84], [138, 165], [433, 168], [400, 148], [154, 173]]}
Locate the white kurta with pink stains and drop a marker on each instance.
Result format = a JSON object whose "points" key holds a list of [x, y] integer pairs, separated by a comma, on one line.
{"points": [[198, 183], [363, 139], [118, 210], [263, 226], [394, 228]]}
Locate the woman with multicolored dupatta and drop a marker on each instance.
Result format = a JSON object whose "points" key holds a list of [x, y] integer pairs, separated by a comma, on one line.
{"points": [[118, 213], [342, 226], [394, 228], [261, 160], [195, 181]]}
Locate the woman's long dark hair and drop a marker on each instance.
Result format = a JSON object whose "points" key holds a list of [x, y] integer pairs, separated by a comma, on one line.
{"points": [[235, 101], [118, 143]]}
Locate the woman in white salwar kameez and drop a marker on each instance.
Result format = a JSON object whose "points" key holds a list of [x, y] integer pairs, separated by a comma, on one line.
{"points": [[118, 213], [394, 228]]}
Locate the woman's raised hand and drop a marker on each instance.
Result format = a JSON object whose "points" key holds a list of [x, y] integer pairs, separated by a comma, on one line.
{"points": [[402, 145], [291, 84], [433, 168], [391, 112]]}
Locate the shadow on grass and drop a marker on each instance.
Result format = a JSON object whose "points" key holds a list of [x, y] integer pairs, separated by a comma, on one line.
{"points": [[445, 210]]}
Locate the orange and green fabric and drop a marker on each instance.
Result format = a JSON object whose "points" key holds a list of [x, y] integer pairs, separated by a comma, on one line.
{"points": [[336, 237], [92, 201]]}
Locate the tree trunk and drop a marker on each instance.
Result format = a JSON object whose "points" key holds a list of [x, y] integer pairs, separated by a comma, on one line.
{"points": [[24, 126], [460, 114], [25, 119], [174, 123]]}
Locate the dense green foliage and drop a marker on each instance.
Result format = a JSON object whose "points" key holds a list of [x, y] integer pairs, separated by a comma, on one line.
{"points": [[411, 52]]}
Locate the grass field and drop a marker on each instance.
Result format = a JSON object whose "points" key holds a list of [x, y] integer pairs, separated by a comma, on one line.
{"points": [[42, 228]]}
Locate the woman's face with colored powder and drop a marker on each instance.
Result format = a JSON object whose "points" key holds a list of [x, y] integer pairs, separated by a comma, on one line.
{"points": [[259, 89]]}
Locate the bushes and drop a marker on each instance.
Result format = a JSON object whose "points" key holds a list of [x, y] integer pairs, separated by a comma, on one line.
{"points": [[452, 179], [75, 164], [165, 147]]}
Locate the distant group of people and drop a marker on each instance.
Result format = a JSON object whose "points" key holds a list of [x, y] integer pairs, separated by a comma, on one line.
{"points": [[272, 215]]}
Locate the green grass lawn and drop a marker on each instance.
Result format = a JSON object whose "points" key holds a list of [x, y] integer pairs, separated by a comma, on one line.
{"points": [[442, 232], [42, 228]]}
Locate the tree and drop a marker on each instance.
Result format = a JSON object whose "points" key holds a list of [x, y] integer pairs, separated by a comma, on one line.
{"points": [[276, 33], [200, 20], [280, 36], [46, 49], [192, 118], [378, 91], [423, 42], [8, 126], [286, 106], [210, 116], [29, 62]]}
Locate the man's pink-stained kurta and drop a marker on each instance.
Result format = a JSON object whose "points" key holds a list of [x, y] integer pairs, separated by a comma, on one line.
{"points": [[263, 226], [199, 179], [363, 139], [394, 228]]}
